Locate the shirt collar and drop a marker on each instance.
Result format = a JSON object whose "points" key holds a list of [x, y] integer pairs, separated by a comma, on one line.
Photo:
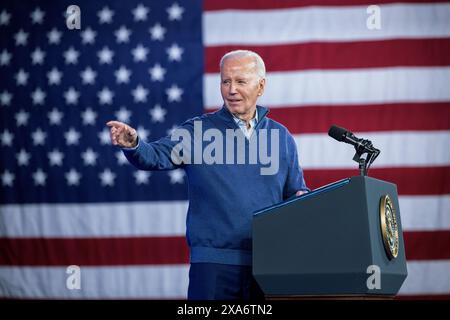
{"points": [[254, 120]]}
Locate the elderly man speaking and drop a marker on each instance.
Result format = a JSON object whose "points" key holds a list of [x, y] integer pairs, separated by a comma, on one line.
{"points": [[223, 194]]}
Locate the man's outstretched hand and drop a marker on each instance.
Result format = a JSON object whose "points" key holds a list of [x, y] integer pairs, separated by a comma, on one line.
{"points": [[122, 135]]}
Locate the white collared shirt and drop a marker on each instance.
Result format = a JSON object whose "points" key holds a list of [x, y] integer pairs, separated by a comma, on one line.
{"points": [[247, 131]]}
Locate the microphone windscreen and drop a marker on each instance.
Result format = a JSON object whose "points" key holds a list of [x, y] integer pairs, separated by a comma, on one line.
{"points": [[337, 133]]}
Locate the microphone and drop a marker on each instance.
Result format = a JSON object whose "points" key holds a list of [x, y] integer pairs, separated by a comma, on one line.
{"points": [[343, 135], [361, 146]]}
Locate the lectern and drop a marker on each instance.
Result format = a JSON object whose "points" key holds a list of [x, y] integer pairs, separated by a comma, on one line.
{"points": [[343, 240]]}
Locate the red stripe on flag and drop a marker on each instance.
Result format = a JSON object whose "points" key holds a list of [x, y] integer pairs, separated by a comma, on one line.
{"points": [[153, 251], [213, 5], [93, 251], [427, 245], [409, 181], [365, 118], [341, 55]]}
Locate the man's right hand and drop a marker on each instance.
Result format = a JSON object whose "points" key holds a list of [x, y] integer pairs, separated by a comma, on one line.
{"points": [[122, 135]]}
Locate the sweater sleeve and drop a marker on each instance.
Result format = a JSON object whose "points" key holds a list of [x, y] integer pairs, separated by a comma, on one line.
{"points": [[157, 155], [295, 180]]}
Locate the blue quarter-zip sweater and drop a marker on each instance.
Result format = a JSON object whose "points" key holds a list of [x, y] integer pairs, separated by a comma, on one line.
{"points": [[223, 197]]}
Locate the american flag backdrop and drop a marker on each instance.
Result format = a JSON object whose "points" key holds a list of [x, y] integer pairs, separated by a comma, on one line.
{"points": [[68, 197]]}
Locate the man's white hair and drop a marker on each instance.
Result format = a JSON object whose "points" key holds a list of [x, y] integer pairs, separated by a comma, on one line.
{"points": [[260, 67]]}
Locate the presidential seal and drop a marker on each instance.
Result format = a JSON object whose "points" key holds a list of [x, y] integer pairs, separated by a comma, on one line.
{"points": [[389, 227]]}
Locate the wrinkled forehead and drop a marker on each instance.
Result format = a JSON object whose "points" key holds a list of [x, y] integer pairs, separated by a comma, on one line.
{"points": [[238, 65]]}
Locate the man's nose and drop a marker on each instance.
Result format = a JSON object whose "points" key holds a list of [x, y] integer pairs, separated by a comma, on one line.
{"points": [[233, 88]]}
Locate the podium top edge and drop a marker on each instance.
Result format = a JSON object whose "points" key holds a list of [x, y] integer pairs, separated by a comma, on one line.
{"points": [[325, 188]]}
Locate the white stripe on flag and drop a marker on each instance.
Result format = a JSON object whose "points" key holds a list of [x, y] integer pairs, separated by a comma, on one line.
{"points": [[357, 86], [94, 220], [96, 282], [424, 277], [425, 213], [270, 27], [104, 220], [427, 277], [398, 149]]}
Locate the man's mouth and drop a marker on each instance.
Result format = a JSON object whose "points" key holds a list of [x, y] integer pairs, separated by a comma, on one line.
{"points": [[234, 101]]}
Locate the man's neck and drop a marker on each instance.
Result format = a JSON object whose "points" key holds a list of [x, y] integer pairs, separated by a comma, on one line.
{"points": [[247, 116]]}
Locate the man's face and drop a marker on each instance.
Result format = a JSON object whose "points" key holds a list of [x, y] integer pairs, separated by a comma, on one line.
{"points": [[240, 85]]}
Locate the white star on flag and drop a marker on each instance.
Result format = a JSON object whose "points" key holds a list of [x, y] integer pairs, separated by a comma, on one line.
{"points": [[157, 72], [55, 157], [4, 18], [105, 55], [54, 76], [140, 13], [175, 12], [5, 98], [73, 177], [5, 58], [7, 178], [7, 138], [38, 137], [37, 16], [122, 35], [22, 118], [88, 36], [55, 116], [23, 157], [88, 116], [139, 53], [176, 176], [54, 36], [105, 96], [174, 93], [174, 52], [140, 94], [104, 137], [21, 38], [157, 32], [88, 76], [71, 56], [107, 177], [141, 176], [142, 133], [89, 157], [37, 56], [71, 96], [38, 96], [39, 177], [123, 115], [122, 75], [157, 113], [105, 15], [21, 78], [121, 159], [72, 136]]}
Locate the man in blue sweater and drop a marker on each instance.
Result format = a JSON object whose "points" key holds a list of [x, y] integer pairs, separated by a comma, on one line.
{"points": [[227, 181]]}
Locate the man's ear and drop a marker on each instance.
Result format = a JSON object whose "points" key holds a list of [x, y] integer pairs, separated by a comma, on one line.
{"points": [[261, 85]]}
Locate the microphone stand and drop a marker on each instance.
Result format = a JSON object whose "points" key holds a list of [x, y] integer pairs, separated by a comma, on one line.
{"points": [[362, 147]]}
